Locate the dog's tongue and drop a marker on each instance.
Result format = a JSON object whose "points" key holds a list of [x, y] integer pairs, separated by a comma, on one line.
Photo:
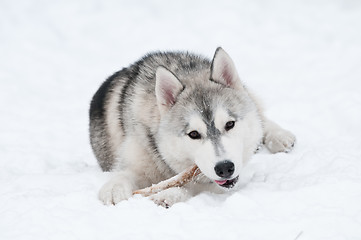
{"points": [[221, 182]]}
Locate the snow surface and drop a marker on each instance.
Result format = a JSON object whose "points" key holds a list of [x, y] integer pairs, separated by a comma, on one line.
{"points": [[302, 57]]}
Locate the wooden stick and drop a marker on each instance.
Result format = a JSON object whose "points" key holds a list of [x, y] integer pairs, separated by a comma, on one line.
{"points": [[177, 181]]}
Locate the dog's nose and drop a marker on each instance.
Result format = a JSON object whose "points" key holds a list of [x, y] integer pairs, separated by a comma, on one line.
{"points": [[224, 169]]}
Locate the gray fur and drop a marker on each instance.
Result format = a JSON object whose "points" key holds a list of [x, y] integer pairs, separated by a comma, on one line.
{"points": [[139, 78], [130, 132]]}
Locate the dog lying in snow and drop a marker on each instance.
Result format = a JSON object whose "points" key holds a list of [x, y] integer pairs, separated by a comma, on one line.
{"points": [[169, 111]]}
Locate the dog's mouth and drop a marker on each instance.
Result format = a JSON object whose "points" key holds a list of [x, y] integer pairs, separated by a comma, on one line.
{"points": [[227, 183]]}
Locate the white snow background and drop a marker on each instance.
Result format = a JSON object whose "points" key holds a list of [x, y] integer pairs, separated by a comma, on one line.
{"points": [[303, 58]]}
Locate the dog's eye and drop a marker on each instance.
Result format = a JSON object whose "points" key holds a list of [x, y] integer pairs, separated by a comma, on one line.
{"points": [[229, 125], [194, 135]]}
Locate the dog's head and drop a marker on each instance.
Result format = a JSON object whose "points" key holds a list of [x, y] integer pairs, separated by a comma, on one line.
{"points": [[212, 122]]}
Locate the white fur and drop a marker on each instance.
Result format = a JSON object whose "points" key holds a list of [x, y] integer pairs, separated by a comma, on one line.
{"points": [[139, 166], [278, 139], [196, 124], [205, 158], [221, 117], [170, 196], [114, 130], [119, 188]]}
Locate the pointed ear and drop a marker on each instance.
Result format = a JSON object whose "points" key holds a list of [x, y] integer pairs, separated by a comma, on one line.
{"points": [[167, 88], [223, 70]]}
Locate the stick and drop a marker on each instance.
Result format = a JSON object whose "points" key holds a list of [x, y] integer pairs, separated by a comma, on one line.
{"points": [[177, 181]]}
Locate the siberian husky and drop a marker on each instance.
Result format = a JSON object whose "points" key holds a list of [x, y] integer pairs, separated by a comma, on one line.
{"points": [[171, 110]]}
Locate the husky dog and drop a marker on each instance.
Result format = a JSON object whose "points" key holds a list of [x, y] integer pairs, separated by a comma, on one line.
{"points": [[168, 111]]}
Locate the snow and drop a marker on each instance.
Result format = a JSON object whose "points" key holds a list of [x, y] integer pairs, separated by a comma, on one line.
{"points": [[302, 58]]}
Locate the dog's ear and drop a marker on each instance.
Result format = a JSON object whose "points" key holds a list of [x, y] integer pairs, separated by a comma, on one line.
{"points": [[223, 70], [167, 88]]}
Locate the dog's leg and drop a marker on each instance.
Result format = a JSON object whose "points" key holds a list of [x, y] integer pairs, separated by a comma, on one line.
{"points": [[276, 138], [171, 196], [174, 195], [118, 188]]}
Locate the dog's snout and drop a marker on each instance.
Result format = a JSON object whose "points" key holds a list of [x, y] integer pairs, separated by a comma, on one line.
{"points": [[224, 169]]}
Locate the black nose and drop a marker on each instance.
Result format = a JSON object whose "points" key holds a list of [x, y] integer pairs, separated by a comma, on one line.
{"points": [[224, 169]]}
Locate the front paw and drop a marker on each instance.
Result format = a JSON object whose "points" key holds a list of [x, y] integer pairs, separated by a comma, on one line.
{"points": [[115, 191], [170, 196], [280, 140]]}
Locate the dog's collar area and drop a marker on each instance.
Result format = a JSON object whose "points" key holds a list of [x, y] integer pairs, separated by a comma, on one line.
{"points": [[228, 183]]}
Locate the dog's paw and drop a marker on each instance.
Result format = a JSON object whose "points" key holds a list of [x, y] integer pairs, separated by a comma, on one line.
{"points": [[170, 196], [279, 140], [115, 191]]}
